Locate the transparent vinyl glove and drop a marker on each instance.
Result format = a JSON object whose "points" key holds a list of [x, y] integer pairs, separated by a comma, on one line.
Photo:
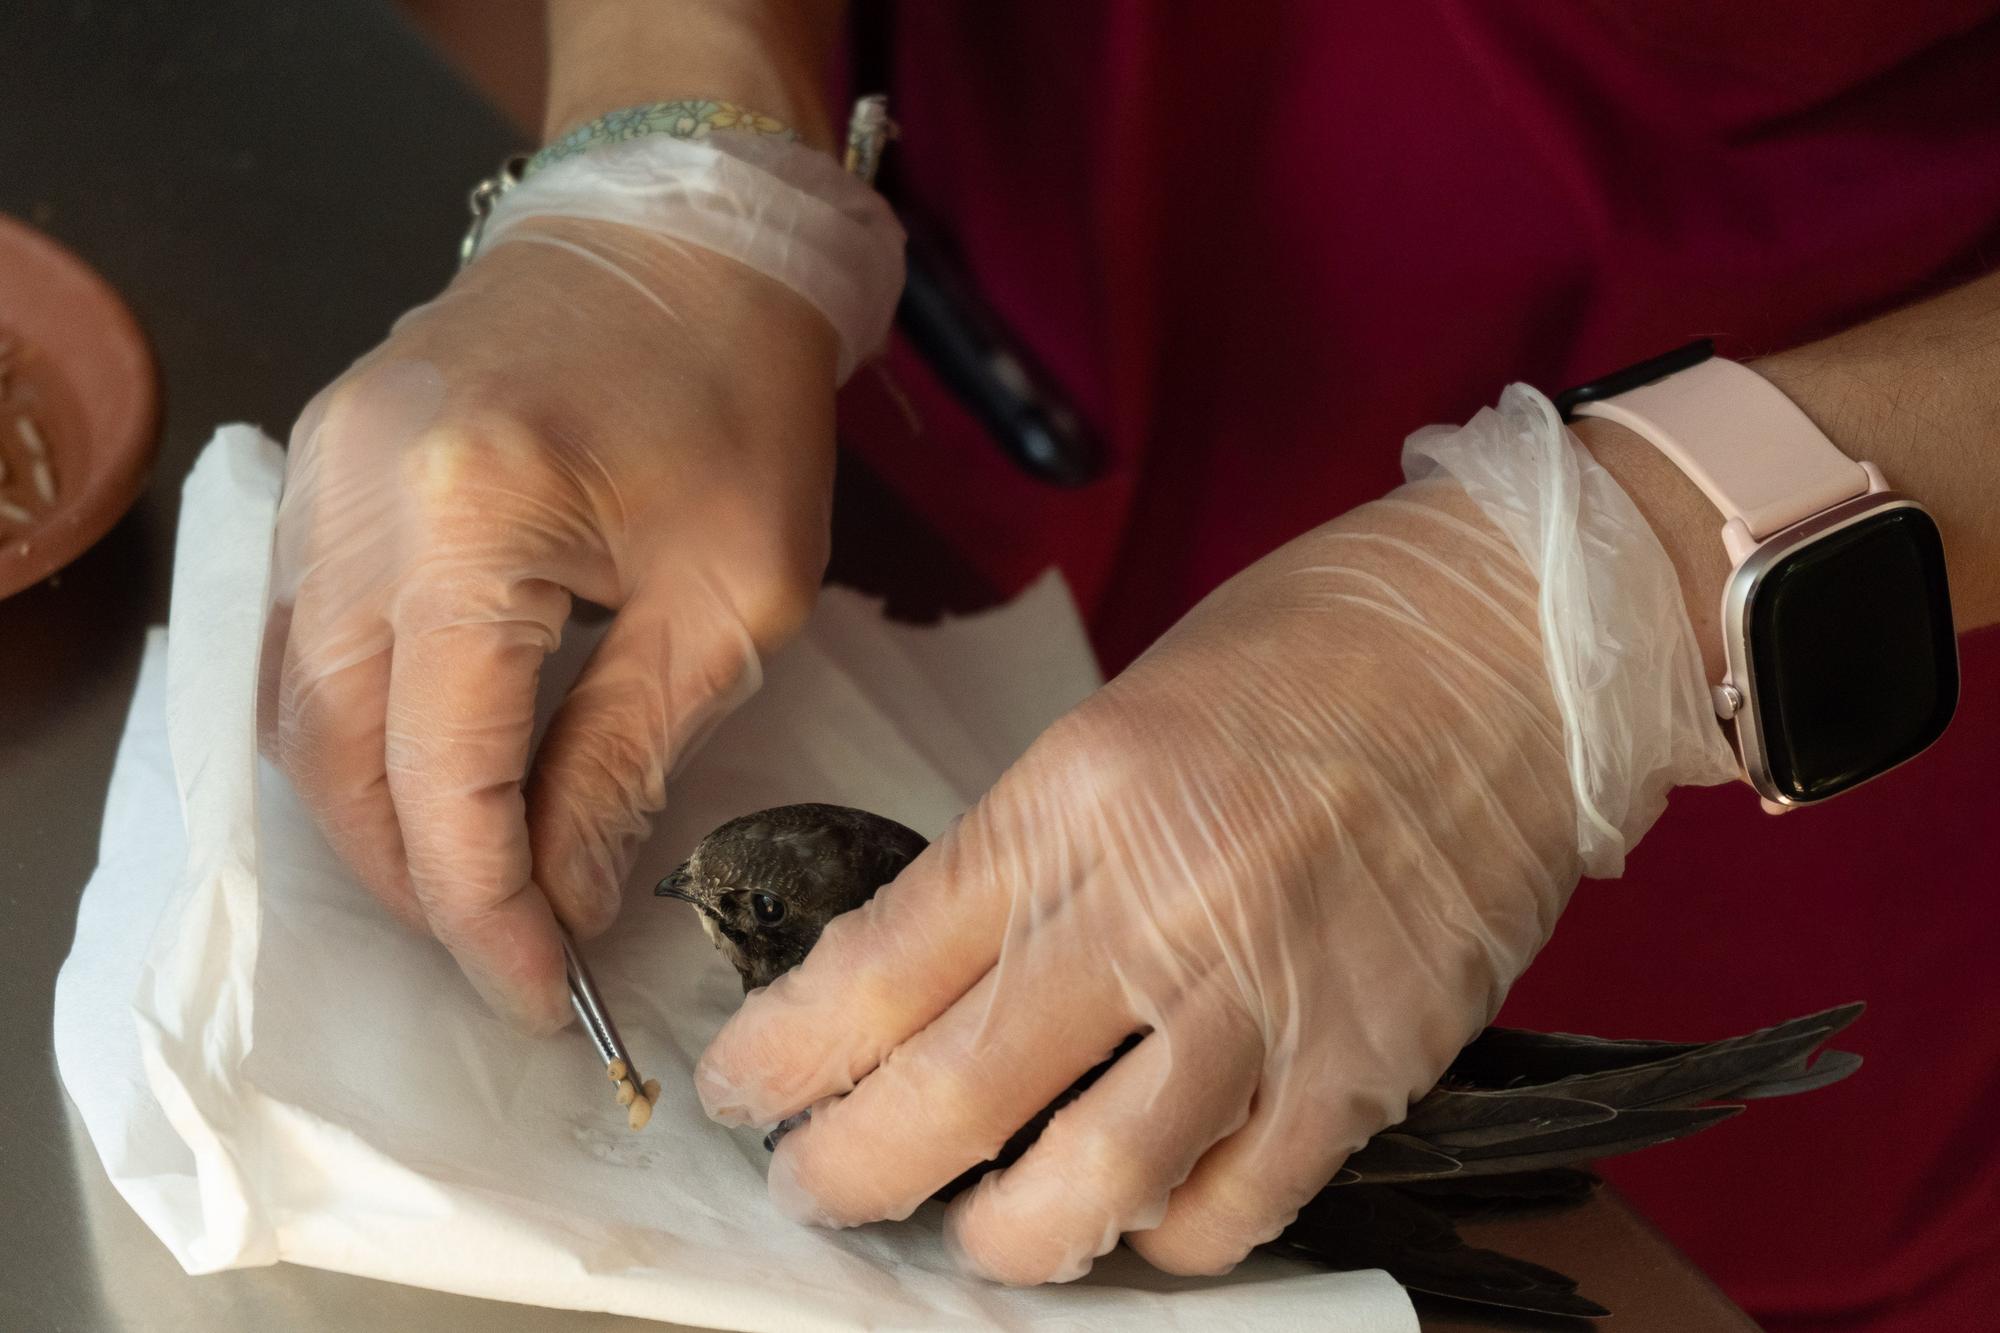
{"points": [[1300, 849], [598, 407]]}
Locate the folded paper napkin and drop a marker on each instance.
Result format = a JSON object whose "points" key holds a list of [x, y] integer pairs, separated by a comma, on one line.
{"points": [[272, 1069]]}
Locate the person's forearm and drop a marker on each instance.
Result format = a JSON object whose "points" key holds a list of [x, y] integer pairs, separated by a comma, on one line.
{"points": [[1916, 393], [769, 56]]}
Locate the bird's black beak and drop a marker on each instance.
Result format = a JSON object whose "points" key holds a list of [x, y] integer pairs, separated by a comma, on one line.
{"points": [[675, 886]]}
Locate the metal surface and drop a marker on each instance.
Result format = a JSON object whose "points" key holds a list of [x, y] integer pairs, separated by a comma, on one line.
{"points": [[269, 183], [594, 1018], [480, 202], [869, 130]]}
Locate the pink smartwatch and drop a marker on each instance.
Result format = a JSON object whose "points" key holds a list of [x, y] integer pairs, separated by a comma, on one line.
{"points": [[1842, 659]]}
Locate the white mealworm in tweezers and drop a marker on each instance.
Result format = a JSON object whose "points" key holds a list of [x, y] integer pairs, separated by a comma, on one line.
{"points": [[13, 513], [45, 481], [31, 436]]}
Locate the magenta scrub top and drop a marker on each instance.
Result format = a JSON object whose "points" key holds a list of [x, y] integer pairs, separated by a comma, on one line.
{"points": [[1261, 241]]}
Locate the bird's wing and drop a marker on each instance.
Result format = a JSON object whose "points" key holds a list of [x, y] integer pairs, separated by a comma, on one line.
{"points": [[1500, 1058], [1451, 1119], [1475, 1196], [1712, 1070], [1390, 1158], [1831, 1067], [1555, 1100]]}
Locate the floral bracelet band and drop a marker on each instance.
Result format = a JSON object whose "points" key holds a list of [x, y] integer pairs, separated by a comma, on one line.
{"points": [[869, 130], [683, 118]]}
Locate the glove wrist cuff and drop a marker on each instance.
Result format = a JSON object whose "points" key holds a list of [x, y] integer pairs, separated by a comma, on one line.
{"points": [[759, 197], [1620, 653]]}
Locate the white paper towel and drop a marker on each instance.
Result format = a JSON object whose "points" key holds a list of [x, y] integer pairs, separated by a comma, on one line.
{"points": [[272, 1069]]}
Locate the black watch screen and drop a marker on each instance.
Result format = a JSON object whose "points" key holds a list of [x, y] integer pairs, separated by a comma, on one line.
{"points": [[1852, 648]]}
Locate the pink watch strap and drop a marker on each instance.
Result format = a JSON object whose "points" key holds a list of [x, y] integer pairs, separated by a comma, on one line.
{"points": [[1752, 452]]}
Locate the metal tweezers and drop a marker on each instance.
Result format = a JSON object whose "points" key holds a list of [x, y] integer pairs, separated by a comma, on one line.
{"points": [[597, 1024]]}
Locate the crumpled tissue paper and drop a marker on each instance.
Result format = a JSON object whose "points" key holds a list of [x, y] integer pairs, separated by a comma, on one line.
{"points": [[271, 1069]]}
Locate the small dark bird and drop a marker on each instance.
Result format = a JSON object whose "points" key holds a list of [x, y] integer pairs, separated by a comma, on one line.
{"points": [[767, 884], [1509, 1124]]}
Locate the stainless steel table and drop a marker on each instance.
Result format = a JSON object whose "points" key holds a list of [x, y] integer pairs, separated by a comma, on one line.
{"points": [[270, 182]]}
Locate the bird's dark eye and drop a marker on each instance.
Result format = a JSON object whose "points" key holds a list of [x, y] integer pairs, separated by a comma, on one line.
{"points": [[769, 910]]}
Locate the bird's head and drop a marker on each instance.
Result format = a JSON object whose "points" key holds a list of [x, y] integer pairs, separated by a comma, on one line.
{"points": [[766, 884], [763, 934]]}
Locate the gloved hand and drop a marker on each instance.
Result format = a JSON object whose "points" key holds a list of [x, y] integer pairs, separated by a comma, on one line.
{"points": [[595, 408], [1303, 846]]}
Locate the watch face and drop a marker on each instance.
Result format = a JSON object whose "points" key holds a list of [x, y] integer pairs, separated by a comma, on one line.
{"points": [[1853, 654]]}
